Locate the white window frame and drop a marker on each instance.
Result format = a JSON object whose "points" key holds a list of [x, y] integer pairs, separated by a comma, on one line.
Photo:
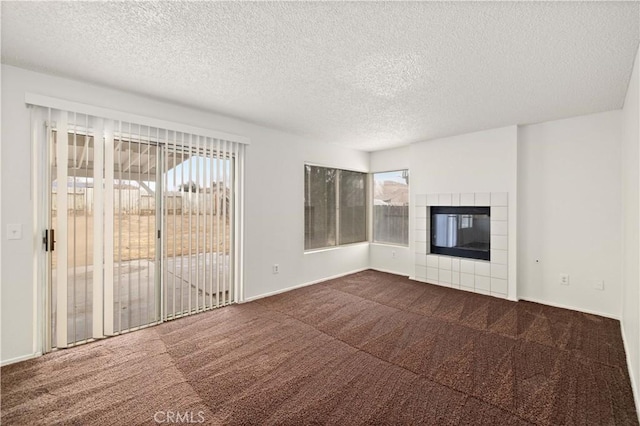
{"points": [[338, 245], [372, 214]]}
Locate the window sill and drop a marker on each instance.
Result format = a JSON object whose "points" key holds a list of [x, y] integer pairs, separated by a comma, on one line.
{"points": [[342, 246], [378, 243]]}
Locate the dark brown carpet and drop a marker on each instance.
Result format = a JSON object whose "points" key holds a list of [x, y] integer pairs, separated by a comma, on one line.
{"points": [[369, 348]]}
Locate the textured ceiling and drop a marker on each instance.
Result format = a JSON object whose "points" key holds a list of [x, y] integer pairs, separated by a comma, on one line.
{"points": [[365, 75]]}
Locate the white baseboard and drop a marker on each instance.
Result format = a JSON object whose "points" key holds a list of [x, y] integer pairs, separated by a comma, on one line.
{"points": [[284, 290], [388, 271], [630, 368], [19, 358], [572, 308]]}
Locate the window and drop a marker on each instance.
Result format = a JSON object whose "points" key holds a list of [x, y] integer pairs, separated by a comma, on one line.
{"points": [[335, 207], [319, 207], [352, 207], [391, 207]]}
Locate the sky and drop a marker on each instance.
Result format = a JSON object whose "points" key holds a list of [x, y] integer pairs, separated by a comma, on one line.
{"points": [[197, 169], [395, 176], [194, 169]]}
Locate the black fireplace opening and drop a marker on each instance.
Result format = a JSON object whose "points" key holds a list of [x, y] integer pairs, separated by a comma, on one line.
{"points": [[461, 231]]}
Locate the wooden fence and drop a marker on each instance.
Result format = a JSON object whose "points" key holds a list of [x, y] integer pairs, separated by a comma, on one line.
{"points": [[391, 224], [138, 202]]}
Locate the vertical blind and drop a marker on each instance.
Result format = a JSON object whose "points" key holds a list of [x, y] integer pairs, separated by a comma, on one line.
{"points": [[335, 204], [147, 220]]}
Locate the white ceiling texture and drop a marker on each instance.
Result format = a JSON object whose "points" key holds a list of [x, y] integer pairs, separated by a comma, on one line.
{"points": [[365, 75]]}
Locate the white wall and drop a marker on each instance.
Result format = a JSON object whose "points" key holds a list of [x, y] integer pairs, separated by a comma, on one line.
{"points": [[17, 309], [274, 227], [631, 228], [555, 168], [483, 161], [569, 212], [384, 257]]}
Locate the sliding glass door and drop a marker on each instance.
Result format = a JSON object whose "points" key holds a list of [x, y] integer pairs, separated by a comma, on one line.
{"points": [[141, 226], [103, 216], [72, 239], [198, 225], [136, 238]]}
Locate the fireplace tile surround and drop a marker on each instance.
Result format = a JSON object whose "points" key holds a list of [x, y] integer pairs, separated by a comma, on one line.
{"points": [[478, 276]]}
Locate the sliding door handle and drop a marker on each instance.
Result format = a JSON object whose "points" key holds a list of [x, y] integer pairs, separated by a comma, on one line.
{"points": [[52, 240]]}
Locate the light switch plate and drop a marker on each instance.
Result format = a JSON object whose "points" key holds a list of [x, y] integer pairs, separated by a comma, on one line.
{"points": [[14, 231]]}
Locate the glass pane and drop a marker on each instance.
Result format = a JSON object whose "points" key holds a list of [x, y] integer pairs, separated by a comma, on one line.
{"points": [[79, 237], [319, 207], [198, 226], [53, 224], [79, 221], [353, 207], [134, 239], [391, 207]]}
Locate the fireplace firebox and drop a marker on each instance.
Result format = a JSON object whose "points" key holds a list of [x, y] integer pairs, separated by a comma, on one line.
{"points": [[461, 231]]}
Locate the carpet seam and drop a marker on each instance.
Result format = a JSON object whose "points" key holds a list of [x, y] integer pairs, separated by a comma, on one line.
{"points": [[179, 370]]}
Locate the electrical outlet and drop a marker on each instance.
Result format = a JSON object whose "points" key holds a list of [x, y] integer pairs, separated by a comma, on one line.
{"points": [[393, 254], [564, 279], [276, 268], [597, 284]]}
